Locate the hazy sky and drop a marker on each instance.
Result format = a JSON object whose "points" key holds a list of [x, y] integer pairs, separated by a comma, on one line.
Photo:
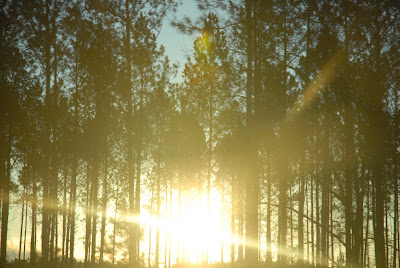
{"points": [[178, 46]]}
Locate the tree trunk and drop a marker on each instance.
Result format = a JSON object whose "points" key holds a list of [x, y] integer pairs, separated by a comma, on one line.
{"points": [[46, 178], [378, 134], [21, 230], [358, 224], [5, 201], [222, 223], [104, 204], [33, 222], [166, 231], [115, 223], [128, 118], [94, 189], [137, 200], [269, 233], [317, 216], [300, 220], [240, 201], [64, 217], [332, 241], [233, 213], [367, 227], [74, 167], [348, 198], [151, 216], [325, 197], [283, 157], [26, 225], [157, 257], [170, 233], [88, 217], [396, 183], [312, 222], [251, 186]]}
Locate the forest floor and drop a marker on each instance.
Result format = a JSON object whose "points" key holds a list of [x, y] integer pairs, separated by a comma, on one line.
{"points": [[215, 265]]}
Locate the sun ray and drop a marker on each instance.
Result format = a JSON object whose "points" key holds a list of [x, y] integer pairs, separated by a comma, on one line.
{"points": [[324, 78]]}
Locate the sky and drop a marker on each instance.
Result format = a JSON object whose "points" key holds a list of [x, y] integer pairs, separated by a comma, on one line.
{"points": [[178, 46]]}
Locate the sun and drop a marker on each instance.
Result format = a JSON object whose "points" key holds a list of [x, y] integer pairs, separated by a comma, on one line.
{"points": [[193, 233]]}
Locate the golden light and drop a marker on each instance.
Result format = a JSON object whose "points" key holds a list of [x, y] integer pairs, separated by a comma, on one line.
{"points": [[324, 78], [194, 231], [205, 39]]}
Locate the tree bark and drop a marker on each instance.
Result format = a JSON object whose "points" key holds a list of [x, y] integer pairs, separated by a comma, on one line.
{"points": [[5, 200]]}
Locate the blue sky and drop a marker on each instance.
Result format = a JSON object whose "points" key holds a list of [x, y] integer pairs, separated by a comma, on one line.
{"points": [[178, 46]]}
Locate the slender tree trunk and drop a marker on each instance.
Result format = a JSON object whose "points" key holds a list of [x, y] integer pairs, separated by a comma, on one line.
{"points": [[74, 167], [67, 240], [240, 253], [64, 216], [378, 177], [22, 226], [367, 227], [251, 189], [46, 178], [291, 223], [166, 216], [249, 70], [72, 210], [95, 186], [210, 144], [325, 198], [308, 223], [179, 213], [233, 213], [115, 223], [137, 199], [170, 233], [104, 202], [317, 216], [88, 217], [324, 222], [54, 154], [386, 225], [300, 220], [33, 223], [151, 215], [2, 181], [396, 184], [157, 257], [358, 224], [378, 129], [52, 233], [222, 222], [5, 201], [56, 242], [26, 225], [348, 198], [308, 45], [312, 222], [283, 158], [269, 233], [332, 241], [251, 247], [130, 160]]}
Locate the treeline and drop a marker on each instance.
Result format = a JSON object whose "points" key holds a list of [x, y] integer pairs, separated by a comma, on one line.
{"points": [[289, 108]]}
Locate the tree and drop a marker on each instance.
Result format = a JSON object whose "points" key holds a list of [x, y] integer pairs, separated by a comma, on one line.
{"points": [[12, 75]]}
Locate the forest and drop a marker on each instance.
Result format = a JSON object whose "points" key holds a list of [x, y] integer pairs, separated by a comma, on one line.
{"points": [[275, 143]]}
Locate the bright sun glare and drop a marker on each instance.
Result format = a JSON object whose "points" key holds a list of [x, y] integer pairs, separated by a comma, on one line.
{"points": [[195, 231]]}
